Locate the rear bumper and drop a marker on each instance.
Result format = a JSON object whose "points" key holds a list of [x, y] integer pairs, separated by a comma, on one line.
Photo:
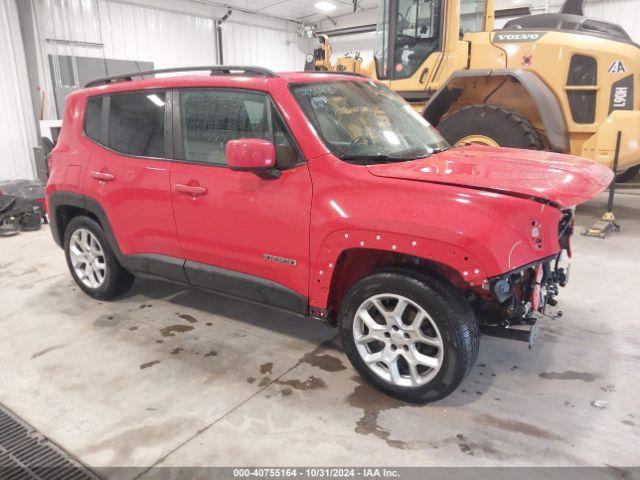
{"points": [[601, 146]]}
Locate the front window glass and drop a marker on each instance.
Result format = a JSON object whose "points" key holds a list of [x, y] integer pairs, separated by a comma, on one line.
{"points": [[212, 117], [414, 28], [417, 35], [471, 16], [367, 122]]}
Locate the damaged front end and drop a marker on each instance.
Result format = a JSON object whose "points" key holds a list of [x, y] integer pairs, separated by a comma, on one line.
{"points": [[510, 304]]}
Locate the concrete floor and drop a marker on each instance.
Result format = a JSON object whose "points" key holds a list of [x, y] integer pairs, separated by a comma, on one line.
{"points": [[173, 377]]}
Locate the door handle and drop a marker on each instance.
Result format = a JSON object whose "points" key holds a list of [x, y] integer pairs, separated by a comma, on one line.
{"points": [[193, 190], [103, 176], [424, 72]]}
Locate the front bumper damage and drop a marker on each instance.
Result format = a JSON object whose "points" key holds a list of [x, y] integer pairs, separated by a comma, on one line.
{"points": [[516, 299]]}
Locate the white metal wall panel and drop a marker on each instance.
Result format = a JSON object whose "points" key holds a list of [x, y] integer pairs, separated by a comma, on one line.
{"points": [[266, 47], [17, 126], [625, 13], [119, 30]]}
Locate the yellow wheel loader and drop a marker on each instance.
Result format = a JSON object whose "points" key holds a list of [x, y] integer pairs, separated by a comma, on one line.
{"points": [[559, 81]]}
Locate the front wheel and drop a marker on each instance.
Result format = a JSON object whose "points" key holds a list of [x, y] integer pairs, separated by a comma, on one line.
{"points": [[412, 336], [489, 125]]}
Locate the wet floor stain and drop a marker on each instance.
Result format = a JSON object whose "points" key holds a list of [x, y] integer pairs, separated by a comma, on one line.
{"points": [[517, 426], [45, 351], [324, 361], [177, 351], [251, 379], [286, 392], [265, 381], [463, 445], [108, 320], [372, 403], [569, 375], [171, 330], [188, 318], [266, 368], [311, 383], [149, 364], [212, 353]]}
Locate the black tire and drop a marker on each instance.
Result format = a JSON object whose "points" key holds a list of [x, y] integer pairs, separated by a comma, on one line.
{"points": [[504, 126], [628, 174], [448, 309], [117, 280]]}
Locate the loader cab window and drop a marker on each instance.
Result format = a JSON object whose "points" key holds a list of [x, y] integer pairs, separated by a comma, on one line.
{"points": [[471, 16], [415, 29]]}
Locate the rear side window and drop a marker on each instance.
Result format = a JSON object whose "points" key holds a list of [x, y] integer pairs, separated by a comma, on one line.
{"points": [[93, 118], [212, 117], [136, 123]]}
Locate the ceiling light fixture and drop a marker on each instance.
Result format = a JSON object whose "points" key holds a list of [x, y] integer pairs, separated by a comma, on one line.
{"points": [[325, 6]]}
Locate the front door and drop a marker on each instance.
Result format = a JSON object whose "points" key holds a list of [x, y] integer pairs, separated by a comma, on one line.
{"points": [[128, 174], [241, 234]]}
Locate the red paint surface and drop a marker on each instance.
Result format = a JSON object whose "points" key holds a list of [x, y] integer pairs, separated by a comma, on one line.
{"points": [[469, 209]]}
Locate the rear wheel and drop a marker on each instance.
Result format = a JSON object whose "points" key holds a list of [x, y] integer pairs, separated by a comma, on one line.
{"points": [[411, 336], [489, 125], [91, 261]]}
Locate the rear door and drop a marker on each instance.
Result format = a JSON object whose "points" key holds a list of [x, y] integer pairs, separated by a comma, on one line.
{"points": [[240, 233], [129, 169]]}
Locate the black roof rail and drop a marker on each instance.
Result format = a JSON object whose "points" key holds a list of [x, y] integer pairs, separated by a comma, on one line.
{"points": [[214, 70], [335, 72]]}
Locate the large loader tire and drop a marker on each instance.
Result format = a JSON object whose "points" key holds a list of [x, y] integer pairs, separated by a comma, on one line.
{"points": [[628, 175], [489, 125]]}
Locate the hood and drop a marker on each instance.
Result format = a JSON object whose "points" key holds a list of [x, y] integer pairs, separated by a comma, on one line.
{"points": [[561, 179]]}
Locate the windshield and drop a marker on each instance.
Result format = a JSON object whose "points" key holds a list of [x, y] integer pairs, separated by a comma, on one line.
{"points": [[367, 121]]}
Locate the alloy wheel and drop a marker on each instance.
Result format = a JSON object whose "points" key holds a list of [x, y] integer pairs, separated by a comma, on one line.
{"points": [[87, 258], [398, 340]]}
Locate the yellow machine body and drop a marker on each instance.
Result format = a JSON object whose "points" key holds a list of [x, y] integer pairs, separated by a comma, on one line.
{"points": [[576, 89]]}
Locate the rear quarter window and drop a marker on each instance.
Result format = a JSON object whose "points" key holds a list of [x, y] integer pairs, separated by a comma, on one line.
{"points": [[93, 118]]}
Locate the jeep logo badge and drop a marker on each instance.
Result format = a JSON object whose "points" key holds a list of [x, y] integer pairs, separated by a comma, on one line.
{"points": [[513, 37]]}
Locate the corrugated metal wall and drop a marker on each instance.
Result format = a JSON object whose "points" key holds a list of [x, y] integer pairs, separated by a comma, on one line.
{"points": [[625, 13], [17, 128], [118, 29], [279, 50]]}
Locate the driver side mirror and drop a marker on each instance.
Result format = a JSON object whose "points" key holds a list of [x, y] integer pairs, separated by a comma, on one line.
{"points": [[252, 155]]}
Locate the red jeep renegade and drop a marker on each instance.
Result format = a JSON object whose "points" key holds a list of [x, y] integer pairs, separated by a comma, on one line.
{"points": [[321, 194]]}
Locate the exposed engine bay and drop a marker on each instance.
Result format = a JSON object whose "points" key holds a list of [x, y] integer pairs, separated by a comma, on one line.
{"points": [[515, 300]]}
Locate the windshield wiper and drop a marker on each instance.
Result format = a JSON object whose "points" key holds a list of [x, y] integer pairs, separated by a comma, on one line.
{"points": [[378, 157]]}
